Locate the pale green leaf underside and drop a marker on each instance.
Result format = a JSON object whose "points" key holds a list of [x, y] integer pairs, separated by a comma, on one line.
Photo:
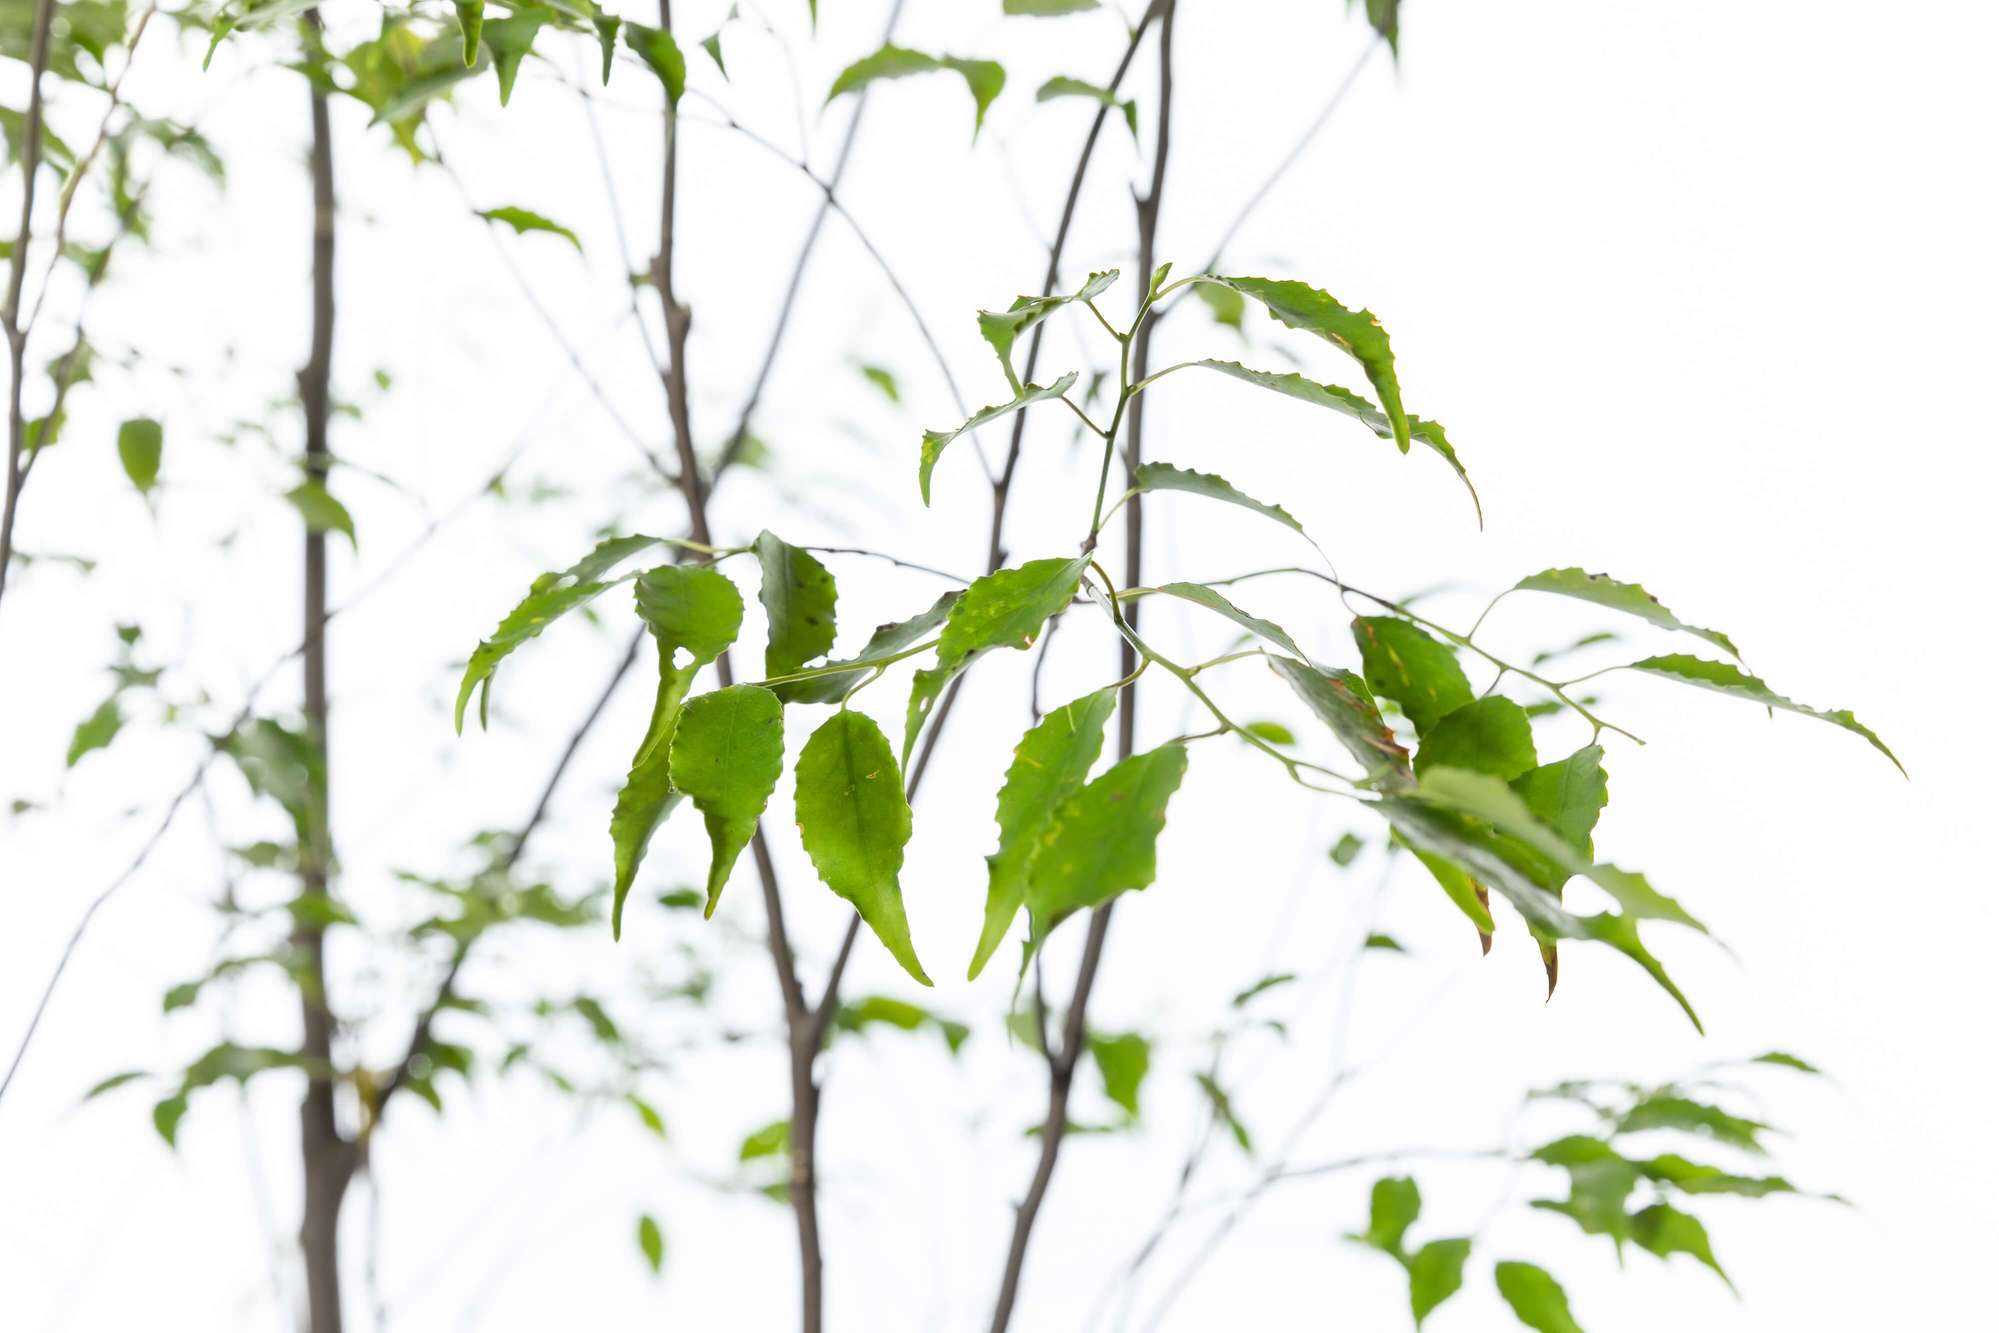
{"points": [[983, 78], [727, 754], [1342, 701], [1202, 595], [1002, 328], [935, 441], [1152, 477], [1049, 765], [550, 597], [1611, 594], [1344, 401], [854, 822], [1104, 839], [1725, 679]]}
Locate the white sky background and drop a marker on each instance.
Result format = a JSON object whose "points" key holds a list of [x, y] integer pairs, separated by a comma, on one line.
{"points": [[1701, 291]]}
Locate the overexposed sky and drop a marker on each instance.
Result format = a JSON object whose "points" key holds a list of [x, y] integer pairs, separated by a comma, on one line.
{"points": [[1701, 291]]}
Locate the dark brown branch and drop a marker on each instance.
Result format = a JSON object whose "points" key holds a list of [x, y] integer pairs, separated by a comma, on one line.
{"points": [[329, 1158], [10, 314], [1075, 1029]]}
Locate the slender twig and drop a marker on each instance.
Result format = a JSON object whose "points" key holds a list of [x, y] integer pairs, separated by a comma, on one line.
{"points": [[1137, 348], [10, 314]]}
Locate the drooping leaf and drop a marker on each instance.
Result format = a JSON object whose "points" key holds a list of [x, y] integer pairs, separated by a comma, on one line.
{"points": [[1699, 1178], [1356, 332], [662, 56], [694, 615], [1403, 663], [1064, 86], [140, 441], [321, 512], [94, 732], [1123, 1059], [1569, 795], [886, 641], [935, 441], [471, 17], [1224, 1109], [1785, 1060], [884, 379], [884, 1010], [1005, 609], [524, 221], [1392, 1209], [984, 78], [549, 597], [1225, 304], [1464, 891], [1436, 1272], [652, 1243], [855, 821], [1342, 701], [1725, 679], [1152, 477], [1491, 735], [798, 597], [1202, 595], [1611, 594], [727, 755], [1002, 328], [511, 39], [1600, 1184], [1049, 765], [1385, 17], [1538, 1300], [1665, 1230], [1104, 838]]}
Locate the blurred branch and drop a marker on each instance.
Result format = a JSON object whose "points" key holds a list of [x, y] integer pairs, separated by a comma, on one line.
{"points": [[10, 314]]}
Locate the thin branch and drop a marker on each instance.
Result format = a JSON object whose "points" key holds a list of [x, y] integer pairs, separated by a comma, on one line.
{"points": [[10, 314]]}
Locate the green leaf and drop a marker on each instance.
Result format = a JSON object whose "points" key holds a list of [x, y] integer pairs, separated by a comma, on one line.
{"points": [[167, 1115], [727, 755], [1385, 17], [139, 445], [1346, 850], [1671, 1111], [523, 222], [1227, 306], [887, 641], [1063, 86], [471, 18], [1403, 663], [855, 821], [1005, 609], [1202, 595], [1049, 766], [647, 1113], [94, 732], [1725, 679], [662, 56], [694, 615], [1342, 701], [1785, 1060], [119, 1080], [798, 596], [1569, 795], [1356, 332], [1435, 1273], [1002, 328], [773, 1140], [510, 40], [321, 512], [1464, 891], [1538, 1300], [1046, 8], [1665, 1230], [984, 78], [1259, 986], [1224, 1109], [1274, 732], [884, 379], [1392, 1208], [1385, 943], [550, 597], [1152, 477], [1491, 735], [871, 1010], [1123, 1059], [1104, 839], [652, 1243], [1698, 1178], [935, 441], [1607, 592]]}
